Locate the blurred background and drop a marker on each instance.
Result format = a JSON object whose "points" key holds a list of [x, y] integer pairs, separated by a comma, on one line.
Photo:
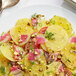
{"points": [[68, 4]]}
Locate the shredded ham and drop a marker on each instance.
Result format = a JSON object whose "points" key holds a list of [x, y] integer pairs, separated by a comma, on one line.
{"points": [[16, 71], [73, 39], [15, 64], [52, 56], [64, 69], [34, 21], [35, 42], [42, 30], [46, 54], [32, 42], [31, 56], [14, 68], [38, 52], [17, 51], [67, 72], [40, 39], [17, 57], [5, 38], [23, 38], [61, 69]]}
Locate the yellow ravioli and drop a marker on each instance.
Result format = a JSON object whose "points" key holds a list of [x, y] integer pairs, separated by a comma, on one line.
{"points": [[64, 23], [69, 57], [60, 38], [53, 69], [7, 51], [38, 69], [16, 31]]}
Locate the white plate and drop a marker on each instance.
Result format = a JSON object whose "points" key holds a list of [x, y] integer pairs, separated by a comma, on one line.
{"points": [[8, 21]]}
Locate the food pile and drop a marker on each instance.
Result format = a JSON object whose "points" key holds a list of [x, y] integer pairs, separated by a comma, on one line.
{"points": [[38, 47]]}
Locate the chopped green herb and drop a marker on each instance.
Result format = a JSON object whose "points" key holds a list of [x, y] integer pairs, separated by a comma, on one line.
{"points": [[51, 61], [32, 63], [2, 68], [49, 35], [8, 63], [34, 15], [74, 74], [46, 32], [48, 72], [31, 48], [68, 60], [40, 24]]}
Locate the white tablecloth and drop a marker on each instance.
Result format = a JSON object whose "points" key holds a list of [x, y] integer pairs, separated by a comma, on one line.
{"points": [[25, 3]]}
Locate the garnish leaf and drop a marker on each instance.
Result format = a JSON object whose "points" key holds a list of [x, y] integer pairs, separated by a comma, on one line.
{"points": [[34, 15], [49, 35], [2, 69], [31, 48], [48, 73], [32, 63], [74, 74]]}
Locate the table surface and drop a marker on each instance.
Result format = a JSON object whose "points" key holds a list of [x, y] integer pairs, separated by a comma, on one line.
{"points": [[25, 3]]}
